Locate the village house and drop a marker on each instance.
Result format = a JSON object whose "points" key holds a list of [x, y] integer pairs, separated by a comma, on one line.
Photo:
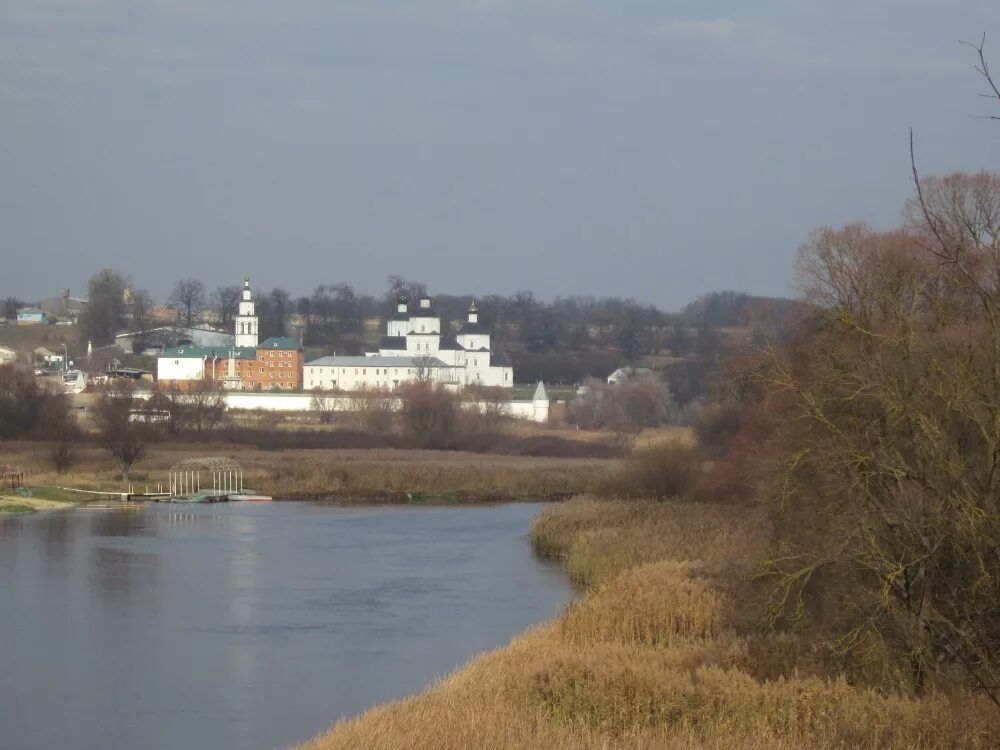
{"points": [[7, 355], [625, 374], [30, 316]]}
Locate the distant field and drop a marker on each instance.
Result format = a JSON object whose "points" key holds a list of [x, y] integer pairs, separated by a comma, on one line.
{"points": [[363, 474]]}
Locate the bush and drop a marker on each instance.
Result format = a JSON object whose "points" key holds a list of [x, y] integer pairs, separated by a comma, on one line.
{"points": [[628, 407], [660, 471], [431, 414], [27, 408], [716, 426]]}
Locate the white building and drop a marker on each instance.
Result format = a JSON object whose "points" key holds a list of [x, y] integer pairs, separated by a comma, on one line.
{"points": [[465, 359], [625, 374], [246, 321], [375, 373], [7, 355]]}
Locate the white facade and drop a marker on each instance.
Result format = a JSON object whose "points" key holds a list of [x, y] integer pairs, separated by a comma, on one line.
{"points": [[7, 354], [469, 354], [180, 368], [246, 320], [374, 373]]}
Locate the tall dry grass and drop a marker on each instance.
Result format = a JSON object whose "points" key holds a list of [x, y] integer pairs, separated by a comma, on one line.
{"points": [[375, 474], [652, 656]]}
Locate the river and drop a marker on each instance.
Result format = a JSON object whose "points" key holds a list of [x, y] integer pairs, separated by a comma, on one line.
{"points": [[249, 625]]}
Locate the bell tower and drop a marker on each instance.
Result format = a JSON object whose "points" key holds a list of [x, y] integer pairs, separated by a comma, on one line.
{"points": [[246, 321]]}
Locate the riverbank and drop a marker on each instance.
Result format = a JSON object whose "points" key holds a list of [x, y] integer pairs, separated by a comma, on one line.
{"points": [[40, 499], [362, 475], [661, 652], [10, 504]]}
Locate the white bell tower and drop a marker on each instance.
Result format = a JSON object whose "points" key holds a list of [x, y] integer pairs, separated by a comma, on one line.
{"points": [[246, 321]]}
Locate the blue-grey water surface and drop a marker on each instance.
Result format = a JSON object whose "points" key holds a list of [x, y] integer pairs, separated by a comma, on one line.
{"points": [[250, 625]]}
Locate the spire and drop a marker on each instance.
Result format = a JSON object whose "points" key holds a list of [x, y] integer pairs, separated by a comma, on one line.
{"points": [[473, 313], [540, 394], [401, 304]]}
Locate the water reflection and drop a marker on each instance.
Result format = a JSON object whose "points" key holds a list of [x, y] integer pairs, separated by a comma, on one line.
{"points": [[248, 626]]}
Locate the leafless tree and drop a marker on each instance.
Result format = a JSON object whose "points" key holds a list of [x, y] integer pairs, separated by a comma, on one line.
{"points": [[106, 308], [140, 309], [188, 297], [203, 406], [374, 409], [424, 368], [125, 438], [324, 406], [431, 413], [983, 68], [226, 300], [487, 410], [11, 306]]}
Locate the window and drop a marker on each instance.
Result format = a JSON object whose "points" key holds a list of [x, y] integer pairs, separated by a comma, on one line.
{"points": [[176, 362]]}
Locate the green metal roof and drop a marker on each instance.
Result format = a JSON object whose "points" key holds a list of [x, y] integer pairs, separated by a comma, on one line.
{"points": [[280, 342], [201, 352]]}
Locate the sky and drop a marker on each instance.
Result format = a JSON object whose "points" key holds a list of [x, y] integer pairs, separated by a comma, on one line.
{"points": [[639, 148]]}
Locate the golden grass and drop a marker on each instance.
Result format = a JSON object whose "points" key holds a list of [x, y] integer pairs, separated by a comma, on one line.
{"points": [[650, 658], [351, 474]]}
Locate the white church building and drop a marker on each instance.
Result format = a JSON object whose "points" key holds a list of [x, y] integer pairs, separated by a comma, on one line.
{"points": [[415, 349]]}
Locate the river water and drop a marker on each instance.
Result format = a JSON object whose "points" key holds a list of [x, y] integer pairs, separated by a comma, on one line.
{"points": [[249, 625]]}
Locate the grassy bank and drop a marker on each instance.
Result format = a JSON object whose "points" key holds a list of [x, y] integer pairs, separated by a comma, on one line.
{"points": [[376, 474], [41, 498], [659, 653]]}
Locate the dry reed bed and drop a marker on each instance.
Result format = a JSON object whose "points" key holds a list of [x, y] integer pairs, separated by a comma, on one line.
{"points": [[352, 474], [649, 658]]}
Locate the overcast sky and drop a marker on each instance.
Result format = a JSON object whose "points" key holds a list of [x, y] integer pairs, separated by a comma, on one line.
{"points": [[641, 148]]}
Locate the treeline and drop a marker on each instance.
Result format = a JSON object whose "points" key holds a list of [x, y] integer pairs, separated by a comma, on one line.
{"points": [[563, 341]]}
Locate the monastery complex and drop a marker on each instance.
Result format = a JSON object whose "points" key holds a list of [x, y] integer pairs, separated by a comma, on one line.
{"points": [[413, 349]]}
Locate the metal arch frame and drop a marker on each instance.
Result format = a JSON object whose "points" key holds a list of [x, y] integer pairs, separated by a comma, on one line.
{"points": [[185, 476]]}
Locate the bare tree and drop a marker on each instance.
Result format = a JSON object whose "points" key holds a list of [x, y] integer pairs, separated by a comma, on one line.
{"points": [[106, 308], [202, 406], [983, 69], [431, 413], [188, 297], [489, 409], [125, 438], [10, 307], [324, 406], [140, 309], [884, 455], [374, 409], [226, 300], [424, 368]]}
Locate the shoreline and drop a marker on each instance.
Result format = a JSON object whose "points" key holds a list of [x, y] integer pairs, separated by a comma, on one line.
{"points": [[16, 505], [656, 653]]}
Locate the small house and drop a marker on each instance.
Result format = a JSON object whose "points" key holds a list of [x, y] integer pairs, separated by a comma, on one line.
{"points": [[624, 374], [30, 316]]}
